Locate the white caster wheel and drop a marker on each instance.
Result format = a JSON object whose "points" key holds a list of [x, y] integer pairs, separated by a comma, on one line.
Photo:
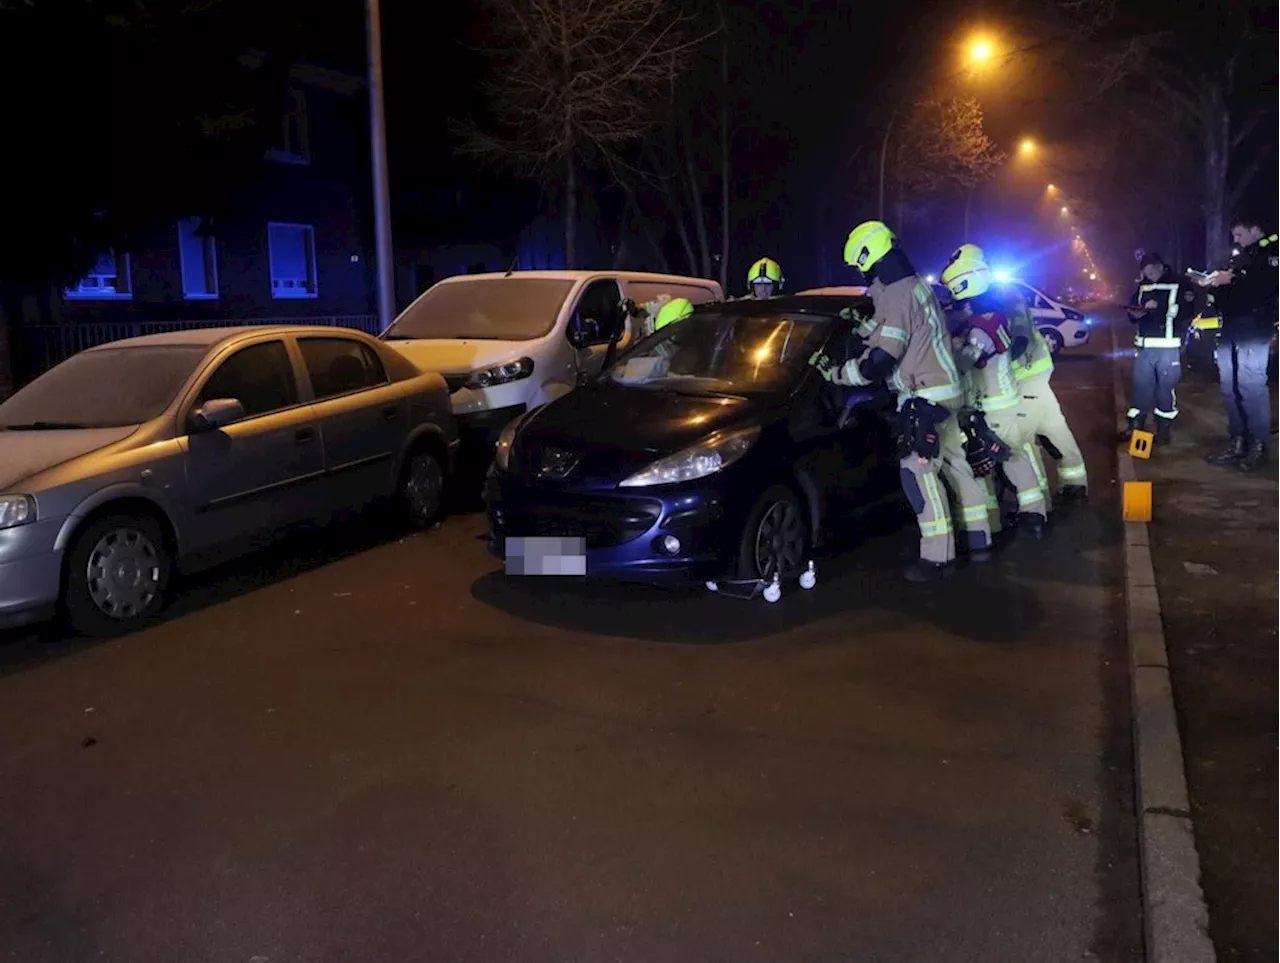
{"points": [[773, 591], [809, 578], [713, 586]]}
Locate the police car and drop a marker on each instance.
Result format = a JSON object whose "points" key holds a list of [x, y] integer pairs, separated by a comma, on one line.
{"points": [[1061, 325]]}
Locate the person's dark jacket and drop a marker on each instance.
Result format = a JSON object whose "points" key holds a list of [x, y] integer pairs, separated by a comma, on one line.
{"points": [[1165, 325], [1249, 302]]}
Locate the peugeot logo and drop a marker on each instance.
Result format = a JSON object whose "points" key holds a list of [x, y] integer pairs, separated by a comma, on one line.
{"points": [[557, 463]]}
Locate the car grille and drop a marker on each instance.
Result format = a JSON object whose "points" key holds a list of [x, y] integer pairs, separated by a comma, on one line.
{"points": [[602, 522]]}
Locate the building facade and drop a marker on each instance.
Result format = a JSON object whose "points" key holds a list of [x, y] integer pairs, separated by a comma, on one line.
{"points": [[295, 244]]}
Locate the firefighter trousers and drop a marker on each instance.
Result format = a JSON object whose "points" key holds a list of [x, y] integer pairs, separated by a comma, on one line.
{"points": [[923, 484], [1011, 425], [1044, 417], [1156, 373]]}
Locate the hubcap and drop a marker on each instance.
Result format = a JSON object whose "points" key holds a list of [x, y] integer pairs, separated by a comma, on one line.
{"points": [[123, 573], [780, 540], [423, 486]]}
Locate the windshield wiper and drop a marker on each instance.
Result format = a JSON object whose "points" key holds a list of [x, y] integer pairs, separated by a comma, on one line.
{"points": [[47, 426]]}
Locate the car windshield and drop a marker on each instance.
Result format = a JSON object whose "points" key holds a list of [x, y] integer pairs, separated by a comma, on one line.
{"points": [[493, 309], [724, 353], [103, 388]]}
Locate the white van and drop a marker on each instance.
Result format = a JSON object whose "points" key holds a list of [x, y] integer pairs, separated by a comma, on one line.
{"points": [[507, 343]]}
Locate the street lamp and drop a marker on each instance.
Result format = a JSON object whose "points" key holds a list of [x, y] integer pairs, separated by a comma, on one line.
{"points": [[1028, 146], [981, 51], [1051, 188], [1065, 212]]}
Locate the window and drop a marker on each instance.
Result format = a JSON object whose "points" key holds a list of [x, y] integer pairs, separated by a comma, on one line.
{"points": [[291, 249], [601, 303], [340, 365], [291, 146], [424, 275], [260, 377], [198, 258], [108, 278], [475, 269], [646, 292]]}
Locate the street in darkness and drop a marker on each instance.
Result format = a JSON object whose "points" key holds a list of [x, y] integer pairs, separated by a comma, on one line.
{"points": [[356, 748]]}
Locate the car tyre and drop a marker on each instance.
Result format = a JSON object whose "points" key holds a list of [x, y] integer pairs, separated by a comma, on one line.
{"points": [[1054, 340], [117, 575], [421, 492], [776, 537]]}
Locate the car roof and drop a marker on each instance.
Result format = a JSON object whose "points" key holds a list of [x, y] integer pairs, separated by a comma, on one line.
{"points": [[821, 304], [209, 337], [580, 276]]}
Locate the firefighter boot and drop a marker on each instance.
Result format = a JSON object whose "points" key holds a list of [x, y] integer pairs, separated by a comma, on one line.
{"points": [[1164, 431], [1255, 457], [1032, 524], [1230, 455]]}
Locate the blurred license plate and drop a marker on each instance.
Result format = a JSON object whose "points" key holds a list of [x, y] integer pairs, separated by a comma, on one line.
{"points": [[546, 556]]}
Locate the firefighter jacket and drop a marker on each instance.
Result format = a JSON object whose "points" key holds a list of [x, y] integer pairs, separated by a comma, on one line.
{"points": [[908, 328], [1165, 325]]}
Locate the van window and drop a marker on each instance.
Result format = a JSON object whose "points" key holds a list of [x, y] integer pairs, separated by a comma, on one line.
{"points": [[499, 309], [647, 292], [601, 302]]}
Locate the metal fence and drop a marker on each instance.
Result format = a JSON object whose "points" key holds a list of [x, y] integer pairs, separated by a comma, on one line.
{"points": [[37, 347]]}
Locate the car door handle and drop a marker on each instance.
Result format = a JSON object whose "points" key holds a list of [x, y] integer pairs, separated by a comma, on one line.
{"points": [[304, 435], [391, 413]]}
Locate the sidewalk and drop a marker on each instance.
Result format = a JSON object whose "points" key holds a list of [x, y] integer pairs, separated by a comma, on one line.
{"points": [[1214, 546]]}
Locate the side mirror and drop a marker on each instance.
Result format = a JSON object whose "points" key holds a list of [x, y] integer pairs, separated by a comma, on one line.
{"points": [[214, 414]]}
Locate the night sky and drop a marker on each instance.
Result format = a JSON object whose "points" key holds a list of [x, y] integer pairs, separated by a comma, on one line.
{"points": [[820, 78]]}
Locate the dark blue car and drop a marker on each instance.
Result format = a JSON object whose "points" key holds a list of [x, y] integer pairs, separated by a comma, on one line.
{"points": [[711, 449]]}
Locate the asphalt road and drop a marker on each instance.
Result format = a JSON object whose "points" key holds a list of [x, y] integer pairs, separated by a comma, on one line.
{"points": [[354, 748]]}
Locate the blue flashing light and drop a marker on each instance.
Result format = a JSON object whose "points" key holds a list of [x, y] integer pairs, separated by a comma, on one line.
{"points": [[1002, 275]]}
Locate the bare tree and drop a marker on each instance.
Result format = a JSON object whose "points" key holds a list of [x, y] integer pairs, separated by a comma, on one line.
{"points": [[575, 80], [1195, 71], [944, 146]]}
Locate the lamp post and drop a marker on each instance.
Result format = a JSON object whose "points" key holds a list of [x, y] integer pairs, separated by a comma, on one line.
{"points": [[381, 192], [980, 52]]}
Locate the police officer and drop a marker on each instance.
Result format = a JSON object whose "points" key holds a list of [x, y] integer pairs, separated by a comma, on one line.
{"points": [[764, 279], [986, 354], [1245, 295], [1161, 310], [908, 347]]}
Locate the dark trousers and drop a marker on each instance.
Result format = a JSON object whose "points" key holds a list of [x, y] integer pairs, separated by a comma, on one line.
{"points": [[1156, 372], [1242, 369]]}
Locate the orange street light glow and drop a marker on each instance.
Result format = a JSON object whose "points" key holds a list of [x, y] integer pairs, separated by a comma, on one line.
{"points": [[980, 51], [1027, 146]]}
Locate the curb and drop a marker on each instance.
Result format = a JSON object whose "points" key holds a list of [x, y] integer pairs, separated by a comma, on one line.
{"points": [[1174, 915]]}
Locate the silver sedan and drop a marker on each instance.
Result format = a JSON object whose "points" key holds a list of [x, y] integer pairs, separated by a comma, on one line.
{"points": [[130, 460]]}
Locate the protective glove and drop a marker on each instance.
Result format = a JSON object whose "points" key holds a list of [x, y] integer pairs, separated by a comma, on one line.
{"points": [[823, 364]]}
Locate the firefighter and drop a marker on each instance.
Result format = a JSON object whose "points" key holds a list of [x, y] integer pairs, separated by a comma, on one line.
{"points": [[985, 352], [908, 347], [764, 279], [677, 309], [1161, 311], [1046, 424]]}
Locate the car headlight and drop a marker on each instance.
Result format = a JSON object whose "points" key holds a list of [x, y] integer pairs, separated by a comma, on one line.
{"points": [[714, 453], [501, 374], [506, 438], [16, 510]]}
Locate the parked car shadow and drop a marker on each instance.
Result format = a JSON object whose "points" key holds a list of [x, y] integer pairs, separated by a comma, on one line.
{"points": [[858, 574], [288, 555]]}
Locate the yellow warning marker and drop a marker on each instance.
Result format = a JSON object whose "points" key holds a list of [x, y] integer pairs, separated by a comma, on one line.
{"points": [[1137, 501], [1140, 444]]}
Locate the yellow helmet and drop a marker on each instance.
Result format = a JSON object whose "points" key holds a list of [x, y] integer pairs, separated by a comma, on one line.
{"points": [[765, 270], [967, 277], [867, 244], [674, 310], [969, 252]]}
